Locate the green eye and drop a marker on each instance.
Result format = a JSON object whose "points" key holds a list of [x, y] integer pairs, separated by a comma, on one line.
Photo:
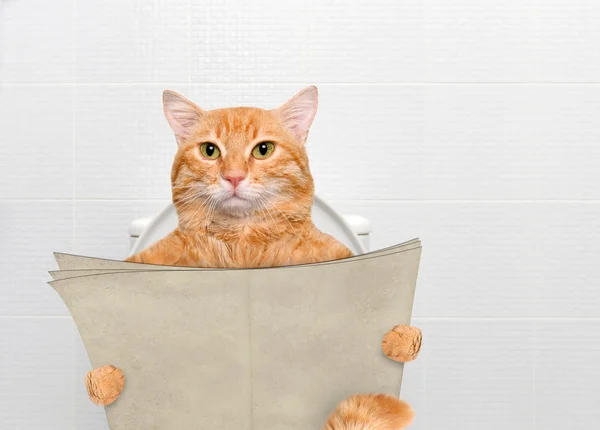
{"points": [[263, 150], [210, 150]]}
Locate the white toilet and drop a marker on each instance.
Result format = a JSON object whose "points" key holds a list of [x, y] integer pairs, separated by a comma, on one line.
{"points": [[352, 230]]}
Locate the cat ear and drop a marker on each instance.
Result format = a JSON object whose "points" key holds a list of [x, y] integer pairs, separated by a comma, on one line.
{"points": [[298, 113], [182, 114]]}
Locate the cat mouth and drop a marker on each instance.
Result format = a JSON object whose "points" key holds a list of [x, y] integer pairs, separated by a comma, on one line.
{"points": [[236, 205], [235, 201], [235, 194], [235, 197]]}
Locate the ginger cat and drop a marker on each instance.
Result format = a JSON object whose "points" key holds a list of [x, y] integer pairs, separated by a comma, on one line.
{"points": [[242, 188], [243, 192]]}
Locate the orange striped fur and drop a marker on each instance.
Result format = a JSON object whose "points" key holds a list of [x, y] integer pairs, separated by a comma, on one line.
{"points": [[266, 220]]}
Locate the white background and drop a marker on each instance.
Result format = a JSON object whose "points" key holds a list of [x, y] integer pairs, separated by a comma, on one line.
{"points": [[473, 124]]}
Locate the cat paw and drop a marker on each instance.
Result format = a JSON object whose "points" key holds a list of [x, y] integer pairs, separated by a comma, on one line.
{"points": [[402, 343], [104, 384], [370, 411]]}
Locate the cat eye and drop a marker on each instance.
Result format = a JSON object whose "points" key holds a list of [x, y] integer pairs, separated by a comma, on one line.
{"points": [[210, 150], [263, 150]]}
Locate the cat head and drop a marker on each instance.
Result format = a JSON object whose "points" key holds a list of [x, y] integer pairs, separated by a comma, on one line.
{"points": [[239, 162]]}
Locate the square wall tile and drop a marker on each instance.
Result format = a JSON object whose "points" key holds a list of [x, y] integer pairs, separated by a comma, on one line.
{"points": [[36, 375], [479, 374], [568, 35], [474, 41], [567, 376], [36, 142], [505, 142], [31, 231], [36, 41], [135, 41]]}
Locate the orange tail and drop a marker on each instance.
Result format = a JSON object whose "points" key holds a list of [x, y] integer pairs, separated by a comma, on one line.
{"points": [[370, 412]]}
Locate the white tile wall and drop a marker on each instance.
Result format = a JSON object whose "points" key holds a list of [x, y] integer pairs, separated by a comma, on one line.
{"points": [[271, 41], [31, 230], [37, 373], [36, 132], [490, 363], [566, 375], [484, 142], [567, 40], [134, 41], [471, 124], [36, 41], [496, 259]]}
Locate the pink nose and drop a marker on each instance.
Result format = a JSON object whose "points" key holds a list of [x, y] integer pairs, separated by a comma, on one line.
{"points": [[235, 180]]}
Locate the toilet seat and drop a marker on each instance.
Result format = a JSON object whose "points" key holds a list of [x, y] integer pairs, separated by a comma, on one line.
{"points": [[325, 218]]}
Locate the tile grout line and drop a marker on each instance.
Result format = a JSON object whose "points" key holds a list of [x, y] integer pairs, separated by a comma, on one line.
{"points": [[320, 83], [534, 357], [73, 168], [534, 373], [426, 367], [333, 200], [464, 200], [189, 44], [73, 178], [35, 317], [73, 130], [521, 318]]}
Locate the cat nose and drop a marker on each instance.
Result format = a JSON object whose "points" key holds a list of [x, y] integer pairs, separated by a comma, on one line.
{"points": [[234, 178]]}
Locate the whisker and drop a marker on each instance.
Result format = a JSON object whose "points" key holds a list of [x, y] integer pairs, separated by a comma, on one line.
{"points": [[186, 186], [283, 215], [200, 208], [257, 202], [266, 205], [195, 192], [187, 199], [278, 195], [262, 202]]}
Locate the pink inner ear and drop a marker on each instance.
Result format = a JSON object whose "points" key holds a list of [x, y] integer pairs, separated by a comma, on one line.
{"points": [[301, 117], [299, 112], [181, 114], [182, 120]]}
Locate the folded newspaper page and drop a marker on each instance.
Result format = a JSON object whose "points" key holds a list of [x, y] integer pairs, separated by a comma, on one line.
{"points": [[268, 348]]}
